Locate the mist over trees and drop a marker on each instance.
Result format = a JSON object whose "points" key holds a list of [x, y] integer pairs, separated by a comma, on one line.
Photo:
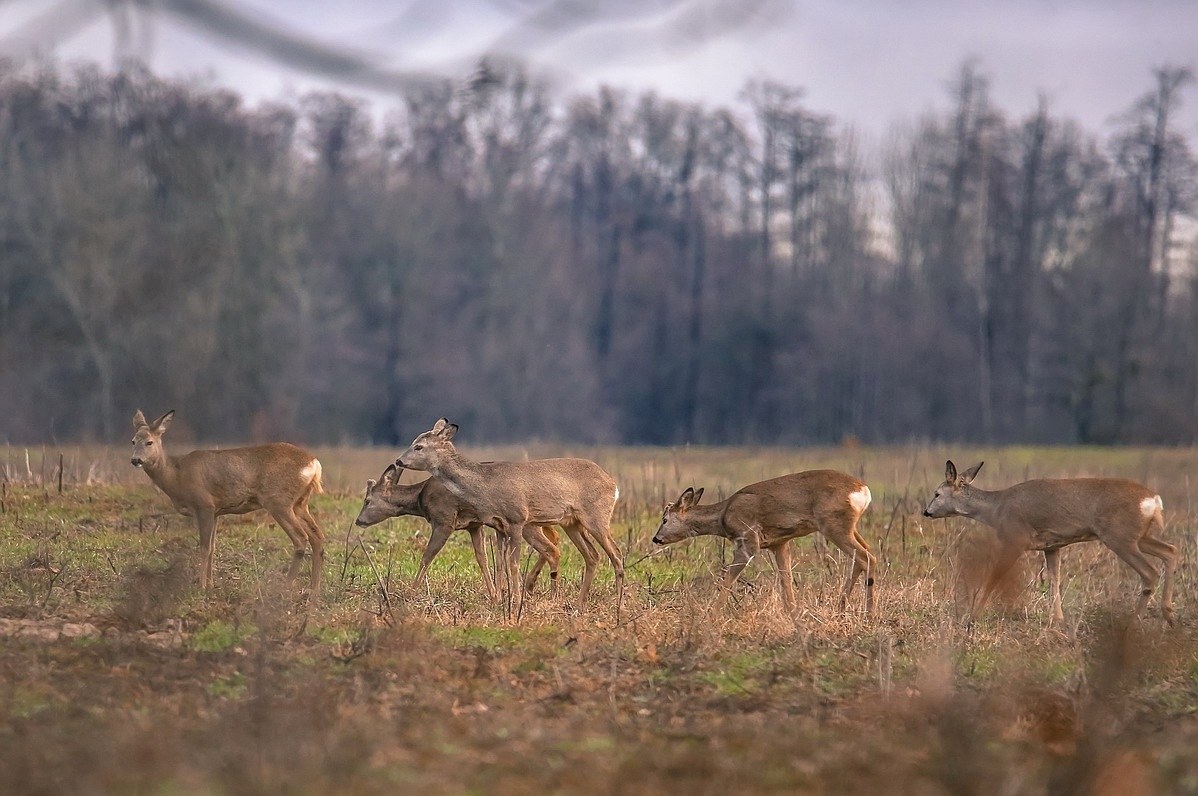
{"points": [[603, 267]]}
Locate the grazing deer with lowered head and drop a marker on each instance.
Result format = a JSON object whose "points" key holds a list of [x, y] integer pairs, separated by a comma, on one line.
{"points": [[446, 513], [576, 494], [1050, 514], [771, 513], [205, 484]]}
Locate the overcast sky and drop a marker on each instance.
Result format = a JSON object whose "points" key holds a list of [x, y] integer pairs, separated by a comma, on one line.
{"points": [[868, 63]]}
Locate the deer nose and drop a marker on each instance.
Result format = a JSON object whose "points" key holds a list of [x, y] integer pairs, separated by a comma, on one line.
{"points": [[657, 540], [136, 462], [927, 513], [359, 523]]}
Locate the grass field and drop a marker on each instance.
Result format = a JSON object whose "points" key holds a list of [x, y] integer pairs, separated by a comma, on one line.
{"points": [[119, 676]]}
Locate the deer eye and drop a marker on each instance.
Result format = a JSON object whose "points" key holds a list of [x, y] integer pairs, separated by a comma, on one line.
{"points": [[417, 447], [149, 442]]}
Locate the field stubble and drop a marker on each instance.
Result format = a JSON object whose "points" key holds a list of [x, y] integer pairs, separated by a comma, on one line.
{"points": [[119, 676]]}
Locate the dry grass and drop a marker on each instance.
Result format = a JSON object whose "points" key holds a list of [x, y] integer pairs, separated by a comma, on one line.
{"points": [[120, 677]]}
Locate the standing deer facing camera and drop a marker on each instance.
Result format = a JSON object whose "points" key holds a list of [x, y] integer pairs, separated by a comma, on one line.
{"points": [[771, 513], [205, 484], [1050, 514], [576, 494], [446, 513]]}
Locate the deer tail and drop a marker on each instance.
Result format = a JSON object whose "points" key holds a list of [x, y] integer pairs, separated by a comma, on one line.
{"points": [[315, 469]]}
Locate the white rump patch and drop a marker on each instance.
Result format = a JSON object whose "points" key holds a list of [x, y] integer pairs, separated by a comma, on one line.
{"points": [[617, 493], [1151, 505], [312, 471], [860, 499]]}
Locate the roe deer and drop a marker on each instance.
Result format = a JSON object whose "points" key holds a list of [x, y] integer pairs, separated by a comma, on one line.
{"points": [[205, 484], [576, 494], [446, 513], [770, 513], [1050, 514]]}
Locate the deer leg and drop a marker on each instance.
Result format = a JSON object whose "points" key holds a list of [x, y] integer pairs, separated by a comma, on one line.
{"points": [[549, 553], [785, 579], [1131, 555], [863, 561], [206, 523], [295, 532], [551, 537], [599, 529], [509, 558], [436, 540], [590, 558], [514, 543], [475, 529], [1052, 566], [746, 549], [1167, 553], [316, 542], [870, 563]]}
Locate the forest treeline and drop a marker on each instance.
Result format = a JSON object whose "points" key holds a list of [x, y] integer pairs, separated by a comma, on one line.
{"points": [[601, 267]]}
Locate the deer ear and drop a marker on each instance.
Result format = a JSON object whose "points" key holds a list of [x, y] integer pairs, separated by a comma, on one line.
{"points": [[971, 473], [439, 426], [686, 499], [950, 471], [370, 483], [698, 494], [449, 431], [389, 474], [160, 425], [139, 420]]}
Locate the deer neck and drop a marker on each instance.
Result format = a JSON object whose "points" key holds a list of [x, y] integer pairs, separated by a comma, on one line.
{"points": [[707, 520], [407, 500], [460, 475], [164, 472], [981, 505]]}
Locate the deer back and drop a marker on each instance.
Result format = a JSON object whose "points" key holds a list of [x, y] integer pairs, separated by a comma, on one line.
{"points": [[795, 504], [1074, 505], [239, 479], [548, 489]]}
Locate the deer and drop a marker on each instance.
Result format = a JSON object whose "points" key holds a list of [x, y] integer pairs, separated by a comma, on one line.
{"points": [[770, 513], [206, 484], [576, 494], [446, 513], [1048, 514]]}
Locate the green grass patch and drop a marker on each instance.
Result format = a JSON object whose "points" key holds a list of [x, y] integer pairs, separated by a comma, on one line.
{"points": [[495, 639], [219, 636]]}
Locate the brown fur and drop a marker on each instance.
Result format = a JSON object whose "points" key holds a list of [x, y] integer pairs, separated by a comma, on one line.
{"points": [[446, 513], [576, 494], [1050, 514], [769, 514], [206, 484]]}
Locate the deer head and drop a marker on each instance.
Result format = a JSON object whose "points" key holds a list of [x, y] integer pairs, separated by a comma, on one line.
{"points": [[951, 498], [378, 503], [147, 439], [674, 527], [429, 449]]}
